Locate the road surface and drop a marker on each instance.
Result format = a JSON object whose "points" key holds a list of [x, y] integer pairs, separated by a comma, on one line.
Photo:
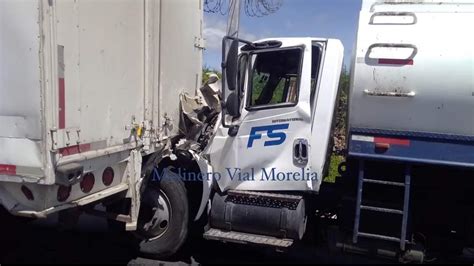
{"points": [[89, 242]]}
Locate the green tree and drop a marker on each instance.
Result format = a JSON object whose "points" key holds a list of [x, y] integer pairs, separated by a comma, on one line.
{"points": [[341, 113], [339, 135], [206, 71]]}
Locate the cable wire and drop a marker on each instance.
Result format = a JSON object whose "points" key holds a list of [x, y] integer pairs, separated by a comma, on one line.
{"points": [[252, 8]]}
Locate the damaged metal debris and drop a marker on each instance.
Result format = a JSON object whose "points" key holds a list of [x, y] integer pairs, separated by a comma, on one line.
{"points": [[199, 115]]}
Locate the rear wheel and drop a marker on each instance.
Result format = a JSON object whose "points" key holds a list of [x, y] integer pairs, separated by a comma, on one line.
{"points": [[163, 220]]}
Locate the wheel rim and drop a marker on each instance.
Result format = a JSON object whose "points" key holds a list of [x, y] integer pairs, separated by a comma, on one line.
{"points": [[155, 214]]}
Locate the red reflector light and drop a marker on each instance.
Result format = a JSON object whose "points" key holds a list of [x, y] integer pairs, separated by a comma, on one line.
{"points": [[108, 176], [392, 141], [87, 182], [7, 169], [389, 61], [64, 192], [384, 146], [27, 192]]}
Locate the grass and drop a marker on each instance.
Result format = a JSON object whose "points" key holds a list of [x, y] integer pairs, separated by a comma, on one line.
{"points": [[332, 173]]}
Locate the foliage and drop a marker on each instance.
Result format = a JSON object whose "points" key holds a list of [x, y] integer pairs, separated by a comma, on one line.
{"points": [[333, 165], [341, 113], [207, 71], [259, 82], [339, 135]]}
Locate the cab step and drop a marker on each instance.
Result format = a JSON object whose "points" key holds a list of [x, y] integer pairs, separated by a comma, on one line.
{"points": [[246, 238]]}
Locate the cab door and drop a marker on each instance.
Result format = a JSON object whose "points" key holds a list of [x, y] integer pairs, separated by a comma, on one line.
{"points": [[271, 148]]}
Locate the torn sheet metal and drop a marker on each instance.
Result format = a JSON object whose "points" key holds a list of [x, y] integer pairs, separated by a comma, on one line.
{"points": [[206, 170], [198, 115]]}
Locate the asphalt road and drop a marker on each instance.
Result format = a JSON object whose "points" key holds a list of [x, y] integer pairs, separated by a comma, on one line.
{"points": [[89, 242]]}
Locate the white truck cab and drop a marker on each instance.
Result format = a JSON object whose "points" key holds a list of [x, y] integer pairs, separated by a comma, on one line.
{"points": [[406, 186], [288, 95], [273, 142]]}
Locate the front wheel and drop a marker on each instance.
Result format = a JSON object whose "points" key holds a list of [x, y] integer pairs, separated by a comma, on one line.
{"points": [[163, 219]]}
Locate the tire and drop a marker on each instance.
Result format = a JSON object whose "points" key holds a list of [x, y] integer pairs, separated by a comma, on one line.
{"points": [[163, 233]]}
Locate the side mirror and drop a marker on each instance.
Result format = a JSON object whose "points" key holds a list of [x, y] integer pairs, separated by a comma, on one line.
{"points": [[232, 105], [230, 70], [232, 65]]}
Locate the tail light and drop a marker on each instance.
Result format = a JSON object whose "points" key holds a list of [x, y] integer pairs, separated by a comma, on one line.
{"points": [[64, 192], [87, 182], [108, 176]]}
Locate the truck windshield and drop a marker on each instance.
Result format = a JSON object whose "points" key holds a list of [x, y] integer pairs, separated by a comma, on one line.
{"points": [[275, 77]]}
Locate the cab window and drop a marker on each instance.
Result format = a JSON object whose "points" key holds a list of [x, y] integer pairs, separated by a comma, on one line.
{"points": [[275, 78]]}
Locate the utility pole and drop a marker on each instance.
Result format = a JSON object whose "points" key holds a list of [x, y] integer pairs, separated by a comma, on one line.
{"points": [[234, 19]]}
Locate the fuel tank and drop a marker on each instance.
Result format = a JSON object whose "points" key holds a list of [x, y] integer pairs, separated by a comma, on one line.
{"points": [[270, 214]]}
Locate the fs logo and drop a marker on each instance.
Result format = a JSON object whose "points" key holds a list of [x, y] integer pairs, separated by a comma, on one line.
{"points": [[278, 137]]}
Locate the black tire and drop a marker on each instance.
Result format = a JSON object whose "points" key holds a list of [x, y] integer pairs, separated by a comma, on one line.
{"points": [[172, 189]]}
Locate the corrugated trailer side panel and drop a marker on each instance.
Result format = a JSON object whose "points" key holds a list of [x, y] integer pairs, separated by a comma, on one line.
{"points": [[91, 73], [180, 52], [100, 44], [100, 65], [131, 64], [20, 89], [19, 70]]}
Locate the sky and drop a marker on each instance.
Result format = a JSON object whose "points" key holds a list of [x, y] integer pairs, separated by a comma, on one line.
{"points": [[296, 18]]}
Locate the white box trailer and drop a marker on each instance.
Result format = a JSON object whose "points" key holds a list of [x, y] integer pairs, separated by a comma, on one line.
{"points": [[86, 88], [77, 79], [95, 95]]}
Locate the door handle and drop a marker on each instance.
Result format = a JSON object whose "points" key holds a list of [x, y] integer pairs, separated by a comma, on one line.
{"points": [[300, 152]]}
